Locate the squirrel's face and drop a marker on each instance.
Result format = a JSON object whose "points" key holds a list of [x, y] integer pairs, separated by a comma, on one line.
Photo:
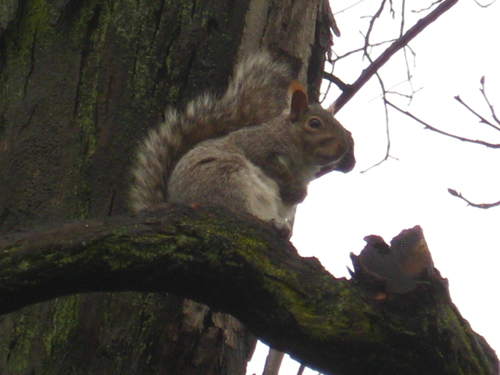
{"points": [[324, 139]]}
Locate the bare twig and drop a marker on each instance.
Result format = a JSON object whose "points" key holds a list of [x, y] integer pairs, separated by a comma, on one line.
{"points": [[372, 24], [349, 7], [361, 49], [390, 91], [478, 205], [336, 81], [429, 7], [408, 71], [390, 51], [483, 120], [483, 91], [486, 5], [388, 148], [430, 127], [402, 26]]}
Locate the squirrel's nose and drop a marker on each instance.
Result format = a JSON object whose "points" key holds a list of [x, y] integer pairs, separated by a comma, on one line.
{"points": [[348, 161]]}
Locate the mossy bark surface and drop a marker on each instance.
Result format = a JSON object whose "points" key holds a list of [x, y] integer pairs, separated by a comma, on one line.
{"points": [[241, 266]]}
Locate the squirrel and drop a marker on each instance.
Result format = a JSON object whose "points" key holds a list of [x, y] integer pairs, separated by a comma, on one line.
{"points": [[255, 149]]}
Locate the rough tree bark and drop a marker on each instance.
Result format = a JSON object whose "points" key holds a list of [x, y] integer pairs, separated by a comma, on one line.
{"points": [[393, 317], [80, 82]]}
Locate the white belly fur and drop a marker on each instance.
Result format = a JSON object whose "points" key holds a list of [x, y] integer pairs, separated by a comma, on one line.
{"points": [[263, 197]]}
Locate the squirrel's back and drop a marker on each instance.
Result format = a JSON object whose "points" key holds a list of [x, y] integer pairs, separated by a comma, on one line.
{"points": [[256, 94]]}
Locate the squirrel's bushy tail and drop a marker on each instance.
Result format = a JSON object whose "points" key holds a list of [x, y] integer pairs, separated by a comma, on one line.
{"points": [[257, 93]]}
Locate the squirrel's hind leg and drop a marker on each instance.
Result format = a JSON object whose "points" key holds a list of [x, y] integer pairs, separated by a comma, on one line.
{"points": [[206, 175]]}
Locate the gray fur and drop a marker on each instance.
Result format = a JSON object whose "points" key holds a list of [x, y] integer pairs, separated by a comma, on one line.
{"points": [[255, 150], [256, 94]]}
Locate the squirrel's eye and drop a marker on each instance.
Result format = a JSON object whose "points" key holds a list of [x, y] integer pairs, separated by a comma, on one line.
{"points": [[315, 123]]}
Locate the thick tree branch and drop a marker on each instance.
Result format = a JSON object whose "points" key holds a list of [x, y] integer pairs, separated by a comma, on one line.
{"points": [[390, 51], [394, 317]]}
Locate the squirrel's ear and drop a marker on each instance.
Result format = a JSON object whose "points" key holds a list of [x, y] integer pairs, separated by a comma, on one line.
{"points": [[298, 100], [331, 109]]}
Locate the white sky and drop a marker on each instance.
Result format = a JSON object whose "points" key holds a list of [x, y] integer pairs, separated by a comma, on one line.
{"points": [[451, 56]]}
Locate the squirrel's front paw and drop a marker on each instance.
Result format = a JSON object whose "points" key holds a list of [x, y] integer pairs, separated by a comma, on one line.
{"points": [[284, 229]]}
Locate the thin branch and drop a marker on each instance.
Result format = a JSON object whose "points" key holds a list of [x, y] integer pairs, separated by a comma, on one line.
{"points": [[349, 7], [429, 7], [361, 49], [336, 81], [406, 96], [372, 24], [484, 6], [390, 51], [389, 91], [483, 120], [408, 71], [388, 148], [430, 127], [492, 109], [402, 27], [478, 205]]}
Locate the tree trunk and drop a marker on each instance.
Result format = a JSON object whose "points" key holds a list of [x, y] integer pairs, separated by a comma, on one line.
{"points": [[81, 81]]}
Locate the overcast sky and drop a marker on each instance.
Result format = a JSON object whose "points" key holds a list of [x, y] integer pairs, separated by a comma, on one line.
{"points": [[451, 57]]}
